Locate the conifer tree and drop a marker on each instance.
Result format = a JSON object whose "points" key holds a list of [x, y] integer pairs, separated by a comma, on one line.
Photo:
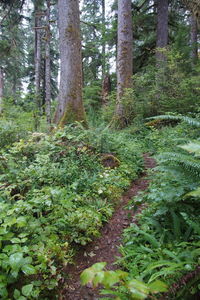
{"points": [[124, 58], [70, 107]]}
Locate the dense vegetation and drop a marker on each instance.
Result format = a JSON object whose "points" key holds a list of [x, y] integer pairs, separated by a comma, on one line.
{"points": [[67, 154]]}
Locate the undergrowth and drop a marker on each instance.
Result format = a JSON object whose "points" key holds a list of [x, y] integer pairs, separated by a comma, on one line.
{"points": [[55, 194]]}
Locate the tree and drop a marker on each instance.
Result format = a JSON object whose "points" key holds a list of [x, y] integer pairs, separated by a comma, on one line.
{"points": [[48, 65], [162, 30], [124, 57], [1, 90], [70, 107], [193, 39]]}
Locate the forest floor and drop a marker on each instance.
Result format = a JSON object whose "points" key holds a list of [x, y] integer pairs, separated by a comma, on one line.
{"points": [[106, 247]]}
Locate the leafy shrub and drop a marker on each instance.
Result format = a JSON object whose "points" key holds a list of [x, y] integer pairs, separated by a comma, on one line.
{"points": [[118, 283], [165, 242], [54, 193]]}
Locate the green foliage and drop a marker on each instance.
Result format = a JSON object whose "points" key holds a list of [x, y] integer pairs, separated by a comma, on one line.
{"points": [[118, 283], [164, 244], [54, 193], [177, 91]]}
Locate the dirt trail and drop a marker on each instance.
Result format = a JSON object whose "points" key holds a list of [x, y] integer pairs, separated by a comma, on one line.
{"points": [[105, 248]]}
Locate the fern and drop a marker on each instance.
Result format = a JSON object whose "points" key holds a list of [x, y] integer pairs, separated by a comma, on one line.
{"points": [[176, 224], [188, 120], [187, 162]]}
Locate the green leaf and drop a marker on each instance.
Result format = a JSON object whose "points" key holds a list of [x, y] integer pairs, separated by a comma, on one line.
{"points": [[138, 289], [29, 269], [98, 278], [98, 266], [157, 287], [27, 289], [16, 294], [87, 276], [15, 260], [110, 278]]}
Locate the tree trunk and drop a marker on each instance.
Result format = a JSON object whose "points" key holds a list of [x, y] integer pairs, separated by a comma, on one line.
{"points": [[106, 88], [124, 57], [162, 31], [70, 106], [103, 40], [193, 39], [48, 66], [1, 90], [37, 69]]}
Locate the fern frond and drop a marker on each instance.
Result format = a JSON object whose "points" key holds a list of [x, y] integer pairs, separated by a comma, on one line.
{"points": [[188, 120], [192, 147], [187, 162]]}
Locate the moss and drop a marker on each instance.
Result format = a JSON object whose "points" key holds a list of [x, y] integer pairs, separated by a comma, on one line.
{"points": [[110, 161], [118, 122], [73, 114]]}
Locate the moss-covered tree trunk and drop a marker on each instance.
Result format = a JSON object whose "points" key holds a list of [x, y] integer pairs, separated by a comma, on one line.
{"points": [[48, 66], [162, 31], [1, 90], [70, 107], [124, 58], [37, 58], [194, 39]]}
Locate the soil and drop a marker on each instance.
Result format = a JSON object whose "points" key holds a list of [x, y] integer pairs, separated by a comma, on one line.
{"points": [[106, 247]]}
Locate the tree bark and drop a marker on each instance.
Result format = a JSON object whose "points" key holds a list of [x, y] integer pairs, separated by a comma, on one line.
{"points": [[37, 60], [193, 39], [48, 66], [70, 106], [162, 31], [106, 88], [1, 90], [103, 40], [124, 57]]}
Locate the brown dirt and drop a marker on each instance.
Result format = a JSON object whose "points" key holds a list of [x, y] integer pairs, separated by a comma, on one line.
{"points": [[106, 247]]}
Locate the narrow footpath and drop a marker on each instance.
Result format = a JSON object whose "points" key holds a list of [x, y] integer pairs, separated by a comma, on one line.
{"points": [[105, 248]]}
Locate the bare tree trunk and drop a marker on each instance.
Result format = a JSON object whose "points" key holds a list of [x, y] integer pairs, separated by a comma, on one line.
{"points": [[70, 106], [193, 39], [162, 31], [48, 66], [1, 90], [124, 57]]}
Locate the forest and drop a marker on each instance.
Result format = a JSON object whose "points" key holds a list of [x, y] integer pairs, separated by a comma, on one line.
{"points": [[99, 149]]}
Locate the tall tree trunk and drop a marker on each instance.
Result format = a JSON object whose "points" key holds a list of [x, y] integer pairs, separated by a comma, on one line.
{"points": [[124, 57], [70, 106], [162, 31], [1, 90], [37, 66], [48, 66], [193, 39], [103, 39]]}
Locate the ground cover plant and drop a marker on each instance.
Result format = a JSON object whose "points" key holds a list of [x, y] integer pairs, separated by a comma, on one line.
{"points": [[164, 244], [55, 194]]}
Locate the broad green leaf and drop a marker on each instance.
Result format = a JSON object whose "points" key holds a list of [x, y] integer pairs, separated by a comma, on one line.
{"points": [[138, 289], [87, 276], [27, 289], [29, 269], [157, 286], [15, 260], [16, 294], [98, 266], [98, 278], [110, 278]]}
